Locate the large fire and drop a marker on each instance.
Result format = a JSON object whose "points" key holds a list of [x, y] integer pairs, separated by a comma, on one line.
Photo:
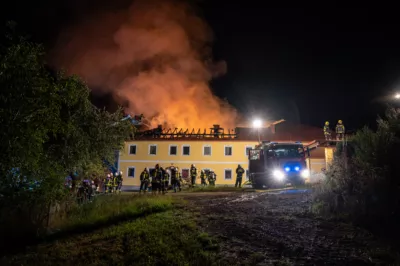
{"points": [[155, 57]]}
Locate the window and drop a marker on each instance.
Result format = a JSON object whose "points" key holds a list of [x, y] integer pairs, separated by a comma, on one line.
{"points": [[132, 149], [228, 150], [186, 150], [228, 174], [248, 148], [185, 173], [173, 150], [207, 150], [151, 171], [131, 171], [153, 149], [247, 174]]}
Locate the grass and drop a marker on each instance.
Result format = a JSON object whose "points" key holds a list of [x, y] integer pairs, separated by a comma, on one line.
{"points": [[168, 237], [215, 189], [106, 210]]}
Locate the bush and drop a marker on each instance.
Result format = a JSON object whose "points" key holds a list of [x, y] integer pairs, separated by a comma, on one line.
{"points": [[362, 183]]}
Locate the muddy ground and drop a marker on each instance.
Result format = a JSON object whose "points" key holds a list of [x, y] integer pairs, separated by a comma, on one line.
{"points": [[279, 229]]}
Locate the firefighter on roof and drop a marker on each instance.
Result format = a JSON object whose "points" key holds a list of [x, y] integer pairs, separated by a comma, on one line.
{"points": [[340, 130], [193, 174], [327, 131], [239, 176]]}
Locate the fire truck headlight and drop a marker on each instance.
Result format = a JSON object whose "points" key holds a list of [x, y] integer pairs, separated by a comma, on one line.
{"points": [[278, 174], [305, 173]]}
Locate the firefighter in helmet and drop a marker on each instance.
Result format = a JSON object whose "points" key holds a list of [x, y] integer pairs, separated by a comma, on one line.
{"points": [[239, 176], [340, 130], [193, 174], [327, 131]]}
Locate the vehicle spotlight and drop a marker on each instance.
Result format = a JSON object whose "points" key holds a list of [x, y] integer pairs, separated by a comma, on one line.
{"points": [[397, 96], [278, 174], [297, 168], [305, 173]]}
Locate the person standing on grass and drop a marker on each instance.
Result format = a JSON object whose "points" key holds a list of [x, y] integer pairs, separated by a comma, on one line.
{"points": [[193, 174], [144, 181], [203, 178], [239, 176]]}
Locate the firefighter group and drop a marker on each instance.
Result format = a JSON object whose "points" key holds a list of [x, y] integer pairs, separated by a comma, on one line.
{"points": [[339, 130], [158, 179]]}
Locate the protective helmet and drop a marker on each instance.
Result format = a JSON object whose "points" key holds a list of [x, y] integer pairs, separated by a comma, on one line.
{"points": [[327, 123], [120, 172], [340, 121], [239, 165], [108, 175], [157, 165], [116, 173]]}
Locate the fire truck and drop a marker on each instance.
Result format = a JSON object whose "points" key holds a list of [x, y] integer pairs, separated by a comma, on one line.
{"points": [[277, 164]]}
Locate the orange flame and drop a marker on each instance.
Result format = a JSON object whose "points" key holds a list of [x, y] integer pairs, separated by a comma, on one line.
{"points": [[155, 56]]}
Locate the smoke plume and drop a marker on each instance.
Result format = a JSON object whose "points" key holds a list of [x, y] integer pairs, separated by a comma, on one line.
{"points": [[156, 57]]}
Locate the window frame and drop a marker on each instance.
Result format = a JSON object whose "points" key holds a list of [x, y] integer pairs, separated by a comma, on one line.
{"points": [[247, 173], [245, 150], [186, 146], [129, 150], [155, 145], [207, 145], [230, 146], [169, 149], [228, 169], [188, 176], [134, 171]]}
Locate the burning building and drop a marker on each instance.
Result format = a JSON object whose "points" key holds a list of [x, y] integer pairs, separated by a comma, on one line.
{"points": [[215, 148]]}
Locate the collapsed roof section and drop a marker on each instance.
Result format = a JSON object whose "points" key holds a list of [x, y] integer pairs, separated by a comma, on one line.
{"points": [[274, 131]]}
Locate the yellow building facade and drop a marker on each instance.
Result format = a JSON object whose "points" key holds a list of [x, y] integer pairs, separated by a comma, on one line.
{"points": [[222, 156]]}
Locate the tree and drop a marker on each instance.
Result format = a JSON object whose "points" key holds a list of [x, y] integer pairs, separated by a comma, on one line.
{"points": [[49, 128]]}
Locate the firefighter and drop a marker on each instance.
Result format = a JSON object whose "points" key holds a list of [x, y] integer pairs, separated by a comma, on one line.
{"points": [[203, 178], [208, 176], [340, 130], [327, 131], [109, 183], [144, 181], [178, 180], [154, 179], [164, 181], [119, 180], [213, 178], [239, 176], [174, 177], [115, 182], [193, 174]]}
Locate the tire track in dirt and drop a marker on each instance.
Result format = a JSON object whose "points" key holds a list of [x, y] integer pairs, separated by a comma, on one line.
{"points": [[266, 229]]}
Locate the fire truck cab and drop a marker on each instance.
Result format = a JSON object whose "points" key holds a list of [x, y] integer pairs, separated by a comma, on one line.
{"points": [[277, 164]]}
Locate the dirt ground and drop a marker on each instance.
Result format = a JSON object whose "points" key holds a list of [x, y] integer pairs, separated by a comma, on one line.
{"points": [[278, 229]]}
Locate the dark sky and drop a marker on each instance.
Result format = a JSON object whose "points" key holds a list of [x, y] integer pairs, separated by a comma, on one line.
{"points": [[303, 63]]}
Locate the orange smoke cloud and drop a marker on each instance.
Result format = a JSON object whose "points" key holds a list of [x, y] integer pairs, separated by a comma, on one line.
{"points": [[155, 56]]}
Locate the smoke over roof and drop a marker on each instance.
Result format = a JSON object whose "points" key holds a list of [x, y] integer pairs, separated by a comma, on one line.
{"points": [[154, 58]]}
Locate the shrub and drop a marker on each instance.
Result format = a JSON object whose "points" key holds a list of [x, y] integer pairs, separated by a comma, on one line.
{"points": [[362, 183]]}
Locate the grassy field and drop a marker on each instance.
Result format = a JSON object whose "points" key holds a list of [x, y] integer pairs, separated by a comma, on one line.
{"points": [[124, 230], [214, 189]]}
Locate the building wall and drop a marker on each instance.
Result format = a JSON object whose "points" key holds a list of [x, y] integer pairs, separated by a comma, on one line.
{"points": [[217, 161], [133, 164]]}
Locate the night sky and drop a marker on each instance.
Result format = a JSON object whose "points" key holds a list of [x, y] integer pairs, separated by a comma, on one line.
{"points": [[302, 63]]}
